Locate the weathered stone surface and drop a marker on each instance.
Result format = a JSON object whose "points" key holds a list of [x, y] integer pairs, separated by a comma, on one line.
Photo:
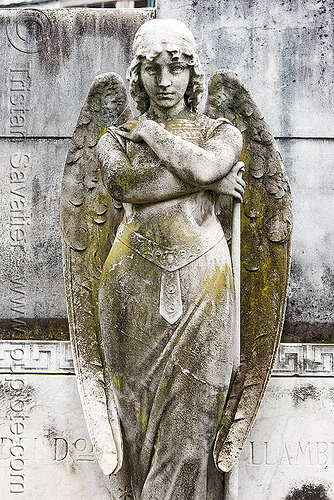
{"points": [[310, 311], [282, 50], [290, 444], [51, 57], [289, 108], [45, 450], [30, 235]]}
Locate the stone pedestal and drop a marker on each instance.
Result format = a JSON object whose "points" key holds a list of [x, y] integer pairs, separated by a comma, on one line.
{"points": [[291, 447], [45, 450]]}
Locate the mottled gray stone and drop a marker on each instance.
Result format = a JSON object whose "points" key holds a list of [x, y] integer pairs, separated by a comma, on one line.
{"points": [[30, 242], [51, 58], [282, 50], [311, 299], [290, 445]]}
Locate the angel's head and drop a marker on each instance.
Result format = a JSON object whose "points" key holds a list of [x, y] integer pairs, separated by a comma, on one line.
{"points": [[166, 40]]}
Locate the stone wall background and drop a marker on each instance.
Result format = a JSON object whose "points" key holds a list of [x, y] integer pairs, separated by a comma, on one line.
{"points": [[50, 58], [284, 53]]}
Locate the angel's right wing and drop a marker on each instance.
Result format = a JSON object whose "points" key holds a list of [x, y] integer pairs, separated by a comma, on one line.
{"points": [[89, 218]]}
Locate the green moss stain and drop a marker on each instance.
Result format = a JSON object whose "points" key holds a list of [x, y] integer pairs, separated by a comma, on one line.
{"points": [[142, 413], [119, 384], [124, 181], [237, 118]]}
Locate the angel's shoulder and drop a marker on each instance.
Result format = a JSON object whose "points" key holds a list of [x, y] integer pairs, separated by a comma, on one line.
{"points": [[110, 141], [211, 127], [134, 120]]}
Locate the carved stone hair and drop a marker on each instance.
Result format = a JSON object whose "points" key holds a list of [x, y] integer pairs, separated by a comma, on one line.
{"points": [[151, 39]]}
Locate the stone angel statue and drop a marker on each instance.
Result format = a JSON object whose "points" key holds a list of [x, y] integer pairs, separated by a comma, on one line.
{"points": [[145, 218]]}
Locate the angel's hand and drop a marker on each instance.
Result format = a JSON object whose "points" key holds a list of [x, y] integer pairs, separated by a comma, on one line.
{"points": [[138, 131], [232, 184], [131, 130]]}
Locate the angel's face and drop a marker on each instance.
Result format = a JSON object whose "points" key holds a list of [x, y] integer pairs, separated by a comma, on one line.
{"points": [[165, 80]]}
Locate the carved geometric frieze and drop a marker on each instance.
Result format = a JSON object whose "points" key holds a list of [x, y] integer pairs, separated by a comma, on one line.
{"points": [[36, 357], [308, 360]]}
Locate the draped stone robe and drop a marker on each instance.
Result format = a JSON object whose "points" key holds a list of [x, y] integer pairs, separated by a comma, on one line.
{"points": [[166, 307]]}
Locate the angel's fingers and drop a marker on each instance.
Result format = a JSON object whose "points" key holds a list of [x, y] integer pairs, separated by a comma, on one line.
{"points": [[237, 180], [239, 166], [239, 188], [241, 181], [122, 133], [125, 128], [129, 125], [238, 196]]}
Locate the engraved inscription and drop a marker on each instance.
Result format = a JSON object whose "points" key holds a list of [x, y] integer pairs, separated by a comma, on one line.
{"points": [[300, 453], [30, 448], [79, 450], [19, 88]]}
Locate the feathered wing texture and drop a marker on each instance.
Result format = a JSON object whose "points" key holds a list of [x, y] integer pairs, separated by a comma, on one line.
{"points": [[266, 223], [89, 218]]}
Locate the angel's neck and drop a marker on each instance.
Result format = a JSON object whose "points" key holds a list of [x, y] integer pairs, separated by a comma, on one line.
{"points": [[159, 114]]}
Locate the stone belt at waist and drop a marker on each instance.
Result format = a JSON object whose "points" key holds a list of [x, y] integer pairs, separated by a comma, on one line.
{"points": [[172, 258]]}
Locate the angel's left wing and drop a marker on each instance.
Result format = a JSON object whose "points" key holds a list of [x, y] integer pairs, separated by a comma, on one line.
{"points": [[266, 221], [89, 218]]}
